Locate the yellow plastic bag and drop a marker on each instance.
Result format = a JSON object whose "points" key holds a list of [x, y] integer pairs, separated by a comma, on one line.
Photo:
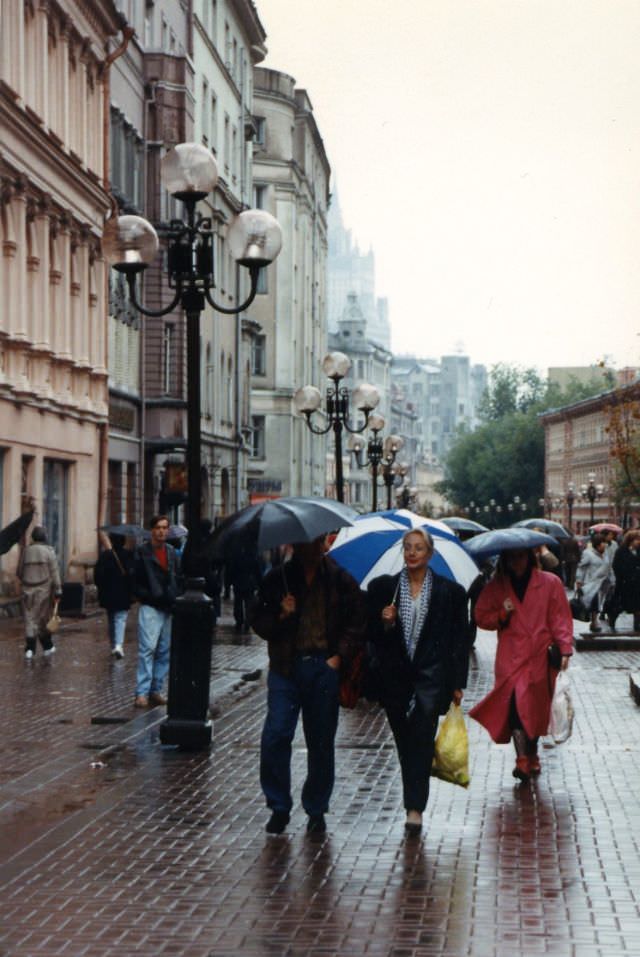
{"points": [[451, 757]]}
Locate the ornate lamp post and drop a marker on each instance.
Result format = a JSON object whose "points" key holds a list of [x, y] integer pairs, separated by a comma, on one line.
{"points": [[516, 506], [365, 398], [379, 453], [570, 499], [130, 243], [591, 492]]}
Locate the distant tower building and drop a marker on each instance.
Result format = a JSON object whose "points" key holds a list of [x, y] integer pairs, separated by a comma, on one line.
{"points": [[350, 271]]}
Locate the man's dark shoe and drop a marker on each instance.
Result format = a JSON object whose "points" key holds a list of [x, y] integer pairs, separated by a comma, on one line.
{"points": [[277, 822], [316, 824]]}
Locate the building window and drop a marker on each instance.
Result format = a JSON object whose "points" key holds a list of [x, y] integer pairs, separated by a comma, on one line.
{"points": [[214, 123], [261, 130], [263, 282], [204, 117], [227, 143], [257, 437], [259, 196], [258, 357], [167, 356]]}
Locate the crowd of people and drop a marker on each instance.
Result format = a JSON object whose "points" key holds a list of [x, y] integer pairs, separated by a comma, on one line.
{"points": [[412, 628]]}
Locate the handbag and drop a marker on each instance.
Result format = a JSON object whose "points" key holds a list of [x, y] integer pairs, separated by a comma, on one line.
{"points": [[54, 622], [554, 656], [351, 680], [579, 610]]}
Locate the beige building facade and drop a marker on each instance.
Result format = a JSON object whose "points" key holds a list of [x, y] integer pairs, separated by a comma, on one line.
{"points": [[579, 443], [53, 344]]}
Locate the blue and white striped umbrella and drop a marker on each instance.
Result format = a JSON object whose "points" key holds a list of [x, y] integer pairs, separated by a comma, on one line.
{"points": [[372, 546]]}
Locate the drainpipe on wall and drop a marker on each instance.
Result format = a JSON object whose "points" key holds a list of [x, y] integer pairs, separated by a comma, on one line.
{"points": [[239, 365], [127, 33]]}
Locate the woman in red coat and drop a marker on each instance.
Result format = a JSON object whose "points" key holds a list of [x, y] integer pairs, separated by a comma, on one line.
{"points": [[529, 610]]}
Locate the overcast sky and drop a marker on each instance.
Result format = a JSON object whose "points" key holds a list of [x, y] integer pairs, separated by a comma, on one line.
{"points": [[489, 152]]}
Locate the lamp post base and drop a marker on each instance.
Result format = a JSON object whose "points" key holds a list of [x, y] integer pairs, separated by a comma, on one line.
{"points": [[187, 735], [187, 724]]}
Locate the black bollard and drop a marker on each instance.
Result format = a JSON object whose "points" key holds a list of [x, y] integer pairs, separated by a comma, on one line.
{"points": [[188, 724]]}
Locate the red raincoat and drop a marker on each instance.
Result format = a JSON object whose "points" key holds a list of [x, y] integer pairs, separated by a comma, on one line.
{"points": [[521, 659]]}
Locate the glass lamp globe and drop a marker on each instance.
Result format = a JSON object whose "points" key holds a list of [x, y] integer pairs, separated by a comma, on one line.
{"points": [[376, 422], [189, 171], [365, 397], [307, 399], [254, 238], [355, 443], [392, 444], [129, 243], [336, 365]]}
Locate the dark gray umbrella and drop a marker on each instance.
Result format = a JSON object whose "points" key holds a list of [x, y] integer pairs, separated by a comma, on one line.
{"points": [[459, 524], [282, 521], [501, 540], [546, 525], [126, 530], [12, 533]]}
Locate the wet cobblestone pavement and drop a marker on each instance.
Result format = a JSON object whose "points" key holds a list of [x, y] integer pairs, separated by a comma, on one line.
{"points": [[155, 852]]}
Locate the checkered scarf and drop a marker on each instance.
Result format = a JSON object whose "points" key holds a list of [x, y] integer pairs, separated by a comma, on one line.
{"points": [[405, 608]]}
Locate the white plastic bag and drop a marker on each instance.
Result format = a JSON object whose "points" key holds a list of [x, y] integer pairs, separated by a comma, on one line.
{"points": [[561, 716]]}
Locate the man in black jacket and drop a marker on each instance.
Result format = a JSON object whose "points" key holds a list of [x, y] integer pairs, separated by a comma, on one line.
{"points": [[156, 588], [311, 612]]}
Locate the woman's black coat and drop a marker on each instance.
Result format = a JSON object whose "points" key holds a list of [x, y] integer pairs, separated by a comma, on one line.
{"points": [[441, 660], [626, 568]]}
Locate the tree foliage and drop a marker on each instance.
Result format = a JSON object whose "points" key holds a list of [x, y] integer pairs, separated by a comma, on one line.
{"points": [[504, 457], [623, 427]]}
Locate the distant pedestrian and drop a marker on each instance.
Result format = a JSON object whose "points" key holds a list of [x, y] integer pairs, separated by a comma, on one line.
{"points": [[529, 610], [243, 571], [113, 576], [156, 588], [419, 626], [626, 567], [211, 568], [311, 613], [570, 555], [595, 578], [40, 578]]}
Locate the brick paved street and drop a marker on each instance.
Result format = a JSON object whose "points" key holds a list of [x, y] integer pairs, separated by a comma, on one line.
{"points": [[154, 852]]}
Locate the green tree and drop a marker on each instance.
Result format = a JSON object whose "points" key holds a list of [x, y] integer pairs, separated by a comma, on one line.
{"points": [[504, 457]]}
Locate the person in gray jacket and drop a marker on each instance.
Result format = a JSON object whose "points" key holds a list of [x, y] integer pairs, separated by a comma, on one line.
{"points": [[40, 577]]}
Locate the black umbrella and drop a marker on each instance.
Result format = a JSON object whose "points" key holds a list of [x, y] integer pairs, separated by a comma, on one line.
{"points": [[546, 525], [501, 540], [12, 533], [127, 531], [459, 524], [281, 521]]}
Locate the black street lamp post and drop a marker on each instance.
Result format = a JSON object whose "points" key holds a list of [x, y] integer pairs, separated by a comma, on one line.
{"points": [[591, 492], [130, 243], [365, 398], [570, 499], [379, 454]]}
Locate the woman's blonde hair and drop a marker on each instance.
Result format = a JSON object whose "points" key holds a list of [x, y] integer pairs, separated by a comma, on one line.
{"points": [[423, 533]]}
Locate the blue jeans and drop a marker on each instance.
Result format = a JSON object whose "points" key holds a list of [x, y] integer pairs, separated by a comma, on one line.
{"points": [[312, 689], [154, 643], [116, 622]]}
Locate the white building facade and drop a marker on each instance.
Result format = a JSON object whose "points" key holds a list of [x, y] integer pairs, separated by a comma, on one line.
{"points": [[291, 181]]}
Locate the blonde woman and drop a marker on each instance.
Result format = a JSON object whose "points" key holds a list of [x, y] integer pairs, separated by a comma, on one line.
{"points": [[418, 622]]}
